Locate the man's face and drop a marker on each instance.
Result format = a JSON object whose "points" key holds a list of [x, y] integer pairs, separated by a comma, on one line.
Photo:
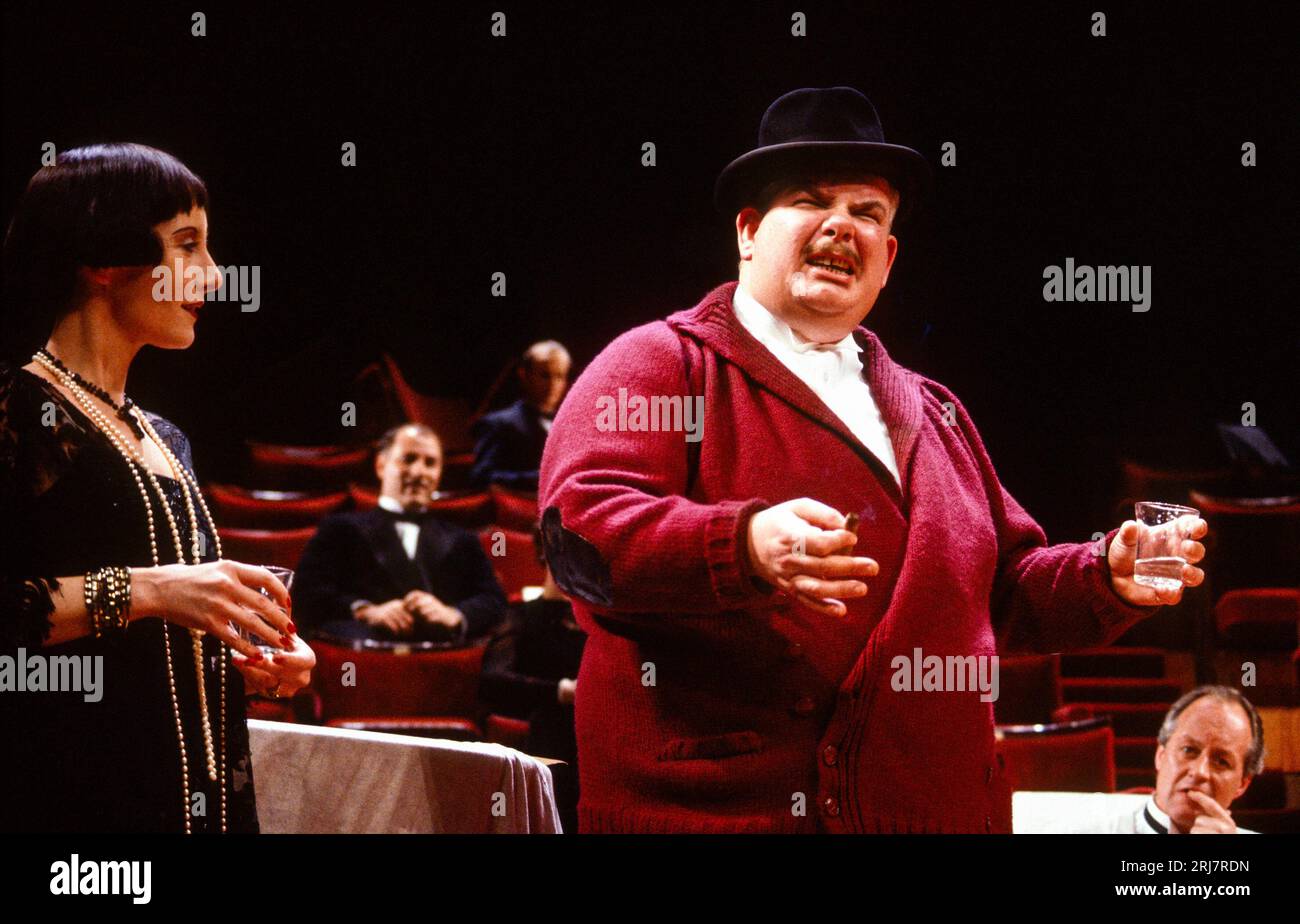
{"points": [[820, 255], [410, 469], [1207, 754], [544, 381]]}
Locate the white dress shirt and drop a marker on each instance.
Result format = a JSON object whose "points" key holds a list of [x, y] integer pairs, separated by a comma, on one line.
{"points": [[409, 533], [833, 372]]}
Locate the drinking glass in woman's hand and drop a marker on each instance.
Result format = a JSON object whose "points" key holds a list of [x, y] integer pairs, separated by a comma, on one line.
{"points": [[267, 647]]}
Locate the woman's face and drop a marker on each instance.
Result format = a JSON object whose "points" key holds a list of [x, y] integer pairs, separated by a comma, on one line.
{"points": [[159, 306]]}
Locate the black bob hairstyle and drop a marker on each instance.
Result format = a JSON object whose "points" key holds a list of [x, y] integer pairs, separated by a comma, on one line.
{"points": [[96, 206]]}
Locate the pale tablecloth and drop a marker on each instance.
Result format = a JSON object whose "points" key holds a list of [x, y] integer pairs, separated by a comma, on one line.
{"points": [[316, 780]]}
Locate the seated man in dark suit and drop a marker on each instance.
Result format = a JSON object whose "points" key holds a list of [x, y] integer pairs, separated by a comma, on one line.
{"points": [[509, 444], [397, 572]]}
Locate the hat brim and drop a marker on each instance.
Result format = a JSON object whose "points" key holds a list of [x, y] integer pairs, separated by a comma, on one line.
{"points": [[905, 169]]}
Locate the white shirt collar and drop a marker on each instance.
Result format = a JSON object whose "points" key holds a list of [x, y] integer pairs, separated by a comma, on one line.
{"points": [[391, 504], [779, 336], [1150, 812]]}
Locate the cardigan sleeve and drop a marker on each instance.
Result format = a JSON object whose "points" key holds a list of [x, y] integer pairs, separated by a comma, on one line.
{"points": [[617, 528], [1045, 598]]}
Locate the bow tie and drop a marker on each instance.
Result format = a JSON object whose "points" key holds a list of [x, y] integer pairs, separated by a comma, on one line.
{"points": [[841, 348], [407, 516]]}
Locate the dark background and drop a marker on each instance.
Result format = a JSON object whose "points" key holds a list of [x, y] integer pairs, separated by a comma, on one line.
{"points": [[522, 154]]}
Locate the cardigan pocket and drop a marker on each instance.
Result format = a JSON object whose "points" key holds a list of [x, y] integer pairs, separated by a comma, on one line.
{"points": [[732, 744]]}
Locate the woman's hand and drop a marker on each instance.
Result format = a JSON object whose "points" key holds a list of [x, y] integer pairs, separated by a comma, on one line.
{"points": [[211, 596], [282, 676]]}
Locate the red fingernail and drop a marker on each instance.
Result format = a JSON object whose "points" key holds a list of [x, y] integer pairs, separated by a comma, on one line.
{"points": [[286, 642], [256, 656], [293, 630], [277, 659]]}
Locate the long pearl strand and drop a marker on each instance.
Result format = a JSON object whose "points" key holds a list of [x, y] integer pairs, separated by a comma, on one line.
{"points": [[136, 465], [190, 489]]}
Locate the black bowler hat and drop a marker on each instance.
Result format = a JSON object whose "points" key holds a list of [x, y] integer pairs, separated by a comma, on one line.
{"points": [[814, 127]]}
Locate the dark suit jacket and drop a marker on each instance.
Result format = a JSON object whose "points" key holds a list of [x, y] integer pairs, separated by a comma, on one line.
{"points": [[359, 556], [509, 446]]}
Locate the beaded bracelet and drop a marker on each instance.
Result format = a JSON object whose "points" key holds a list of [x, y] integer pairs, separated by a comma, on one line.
{"points": [[108, 599], [93, 608]]}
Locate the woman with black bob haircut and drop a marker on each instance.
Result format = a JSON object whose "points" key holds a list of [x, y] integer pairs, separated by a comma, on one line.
{"points": [[123, 704]]}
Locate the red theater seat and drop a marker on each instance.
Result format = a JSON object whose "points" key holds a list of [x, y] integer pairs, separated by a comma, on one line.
{"points": [[469, 511], [1070, 757], [251, 509], [518, 567], [1263, 617], [304, 468], [1119, 690], [1129, 720], [1029, 689], [449, 417], [514, 509], [1254, 542], [364, 496], [395, 681], [265, 546], [513, 733], [1130, 661]]}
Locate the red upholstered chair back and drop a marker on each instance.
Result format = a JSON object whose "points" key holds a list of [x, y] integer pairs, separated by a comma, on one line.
{"points": [[503, 729], [1254, 545], [1073, 757], [1029, 688], [1261, 617], [469, 511], [305, 468], [1140, 482], [252, 509], [364, 496], [518, 567], [441, 682], [449, 417], [514, 509], [281, 547]]}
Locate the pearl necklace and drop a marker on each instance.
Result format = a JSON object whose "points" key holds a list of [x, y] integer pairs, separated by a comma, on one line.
{"points": [[136, 464]]}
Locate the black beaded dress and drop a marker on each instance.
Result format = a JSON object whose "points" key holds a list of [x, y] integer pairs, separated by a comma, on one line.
{"points": [[68, 505]]}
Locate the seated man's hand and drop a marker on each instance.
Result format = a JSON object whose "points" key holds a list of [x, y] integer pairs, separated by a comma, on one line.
{"points": [[566, 691], [392, 616], [802, 547], [1122, 558], [1213, 818], [429, 609]]}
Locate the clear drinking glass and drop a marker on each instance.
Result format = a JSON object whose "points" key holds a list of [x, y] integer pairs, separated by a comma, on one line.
{"points": [[1164, 527], [268, 648]]}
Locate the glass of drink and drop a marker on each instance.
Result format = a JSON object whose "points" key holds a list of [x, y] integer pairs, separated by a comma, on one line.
{"points": [[268, 648], [1164, 528]]}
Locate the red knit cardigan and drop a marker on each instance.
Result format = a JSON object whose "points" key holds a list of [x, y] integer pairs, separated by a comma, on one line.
{"points": [[706, 703]]}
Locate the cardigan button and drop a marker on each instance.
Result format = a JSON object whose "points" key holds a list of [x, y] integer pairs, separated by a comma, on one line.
{"points": [[830, 807], [829, 755], [988, 775], [988, 825], [804, 705]]}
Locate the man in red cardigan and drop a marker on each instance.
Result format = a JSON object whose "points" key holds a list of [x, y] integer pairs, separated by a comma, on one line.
{"points": [[738, 675]]}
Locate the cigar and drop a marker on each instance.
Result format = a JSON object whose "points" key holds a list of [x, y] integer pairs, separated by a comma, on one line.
{"points": [[851, 523]]}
